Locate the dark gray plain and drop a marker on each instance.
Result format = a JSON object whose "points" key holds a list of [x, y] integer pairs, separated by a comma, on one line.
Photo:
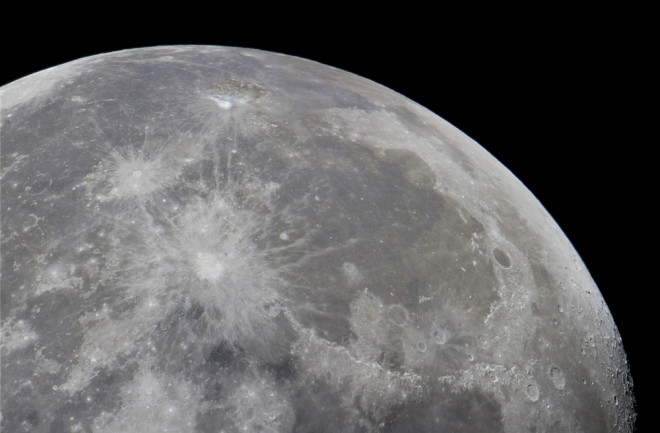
{"points": [[216, 239]]}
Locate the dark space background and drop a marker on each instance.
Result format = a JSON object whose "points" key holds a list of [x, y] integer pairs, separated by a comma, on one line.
{"points": [[561, 97]]}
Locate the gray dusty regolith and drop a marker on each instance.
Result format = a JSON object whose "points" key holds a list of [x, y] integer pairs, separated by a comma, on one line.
{"points": [[205, 239]]}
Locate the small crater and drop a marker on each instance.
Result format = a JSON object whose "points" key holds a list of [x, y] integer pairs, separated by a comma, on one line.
{"points": [[209, 267], [557, 377], [421, 346], [351, 272], [502, 258], [532, 392], [440, 336], [398, 315]]}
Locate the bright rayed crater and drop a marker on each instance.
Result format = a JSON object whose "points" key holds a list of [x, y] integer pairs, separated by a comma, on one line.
{"points": [[210, 239]]}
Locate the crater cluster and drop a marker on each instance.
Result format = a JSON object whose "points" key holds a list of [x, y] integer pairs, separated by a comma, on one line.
{"points": [[223, 239]]}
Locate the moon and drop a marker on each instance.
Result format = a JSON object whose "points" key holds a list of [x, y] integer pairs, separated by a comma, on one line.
{"points": [[205, 239]]}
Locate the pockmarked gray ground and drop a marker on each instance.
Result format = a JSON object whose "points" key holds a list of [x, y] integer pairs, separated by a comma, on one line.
{"points": [[210, 239]]}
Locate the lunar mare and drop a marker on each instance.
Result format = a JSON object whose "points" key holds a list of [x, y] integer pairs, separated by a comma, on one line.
{"points": [[203, 239]]}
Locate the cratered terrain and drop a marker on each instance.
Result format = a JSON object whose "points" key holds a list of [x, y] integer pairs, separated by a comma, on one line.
{"points": [[207, 239]]}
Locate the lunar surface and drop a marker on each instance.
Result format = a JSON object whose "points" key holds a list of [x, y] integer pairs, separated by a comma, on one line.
{"points": [[210, 239]]}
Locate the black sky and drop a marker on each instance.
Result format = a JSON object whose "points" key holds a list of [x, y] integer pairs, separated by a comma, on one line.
{"points": [[557, 97]]}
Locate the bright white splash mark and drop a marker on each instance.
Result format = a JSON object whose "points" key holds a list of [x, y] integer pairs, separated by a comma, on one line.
{"points": [[257, 405], [153, 403], [57, 276], [231, 276], [139, 172], [234, 92], [138, 176], [202, 256], [209, 267], [222, 103], [423, 299], [16, 335]]}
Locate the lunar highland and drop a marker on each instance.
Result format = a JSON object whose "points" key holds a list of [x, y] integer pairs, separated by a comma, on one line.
{"points": [[212, 239]]}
